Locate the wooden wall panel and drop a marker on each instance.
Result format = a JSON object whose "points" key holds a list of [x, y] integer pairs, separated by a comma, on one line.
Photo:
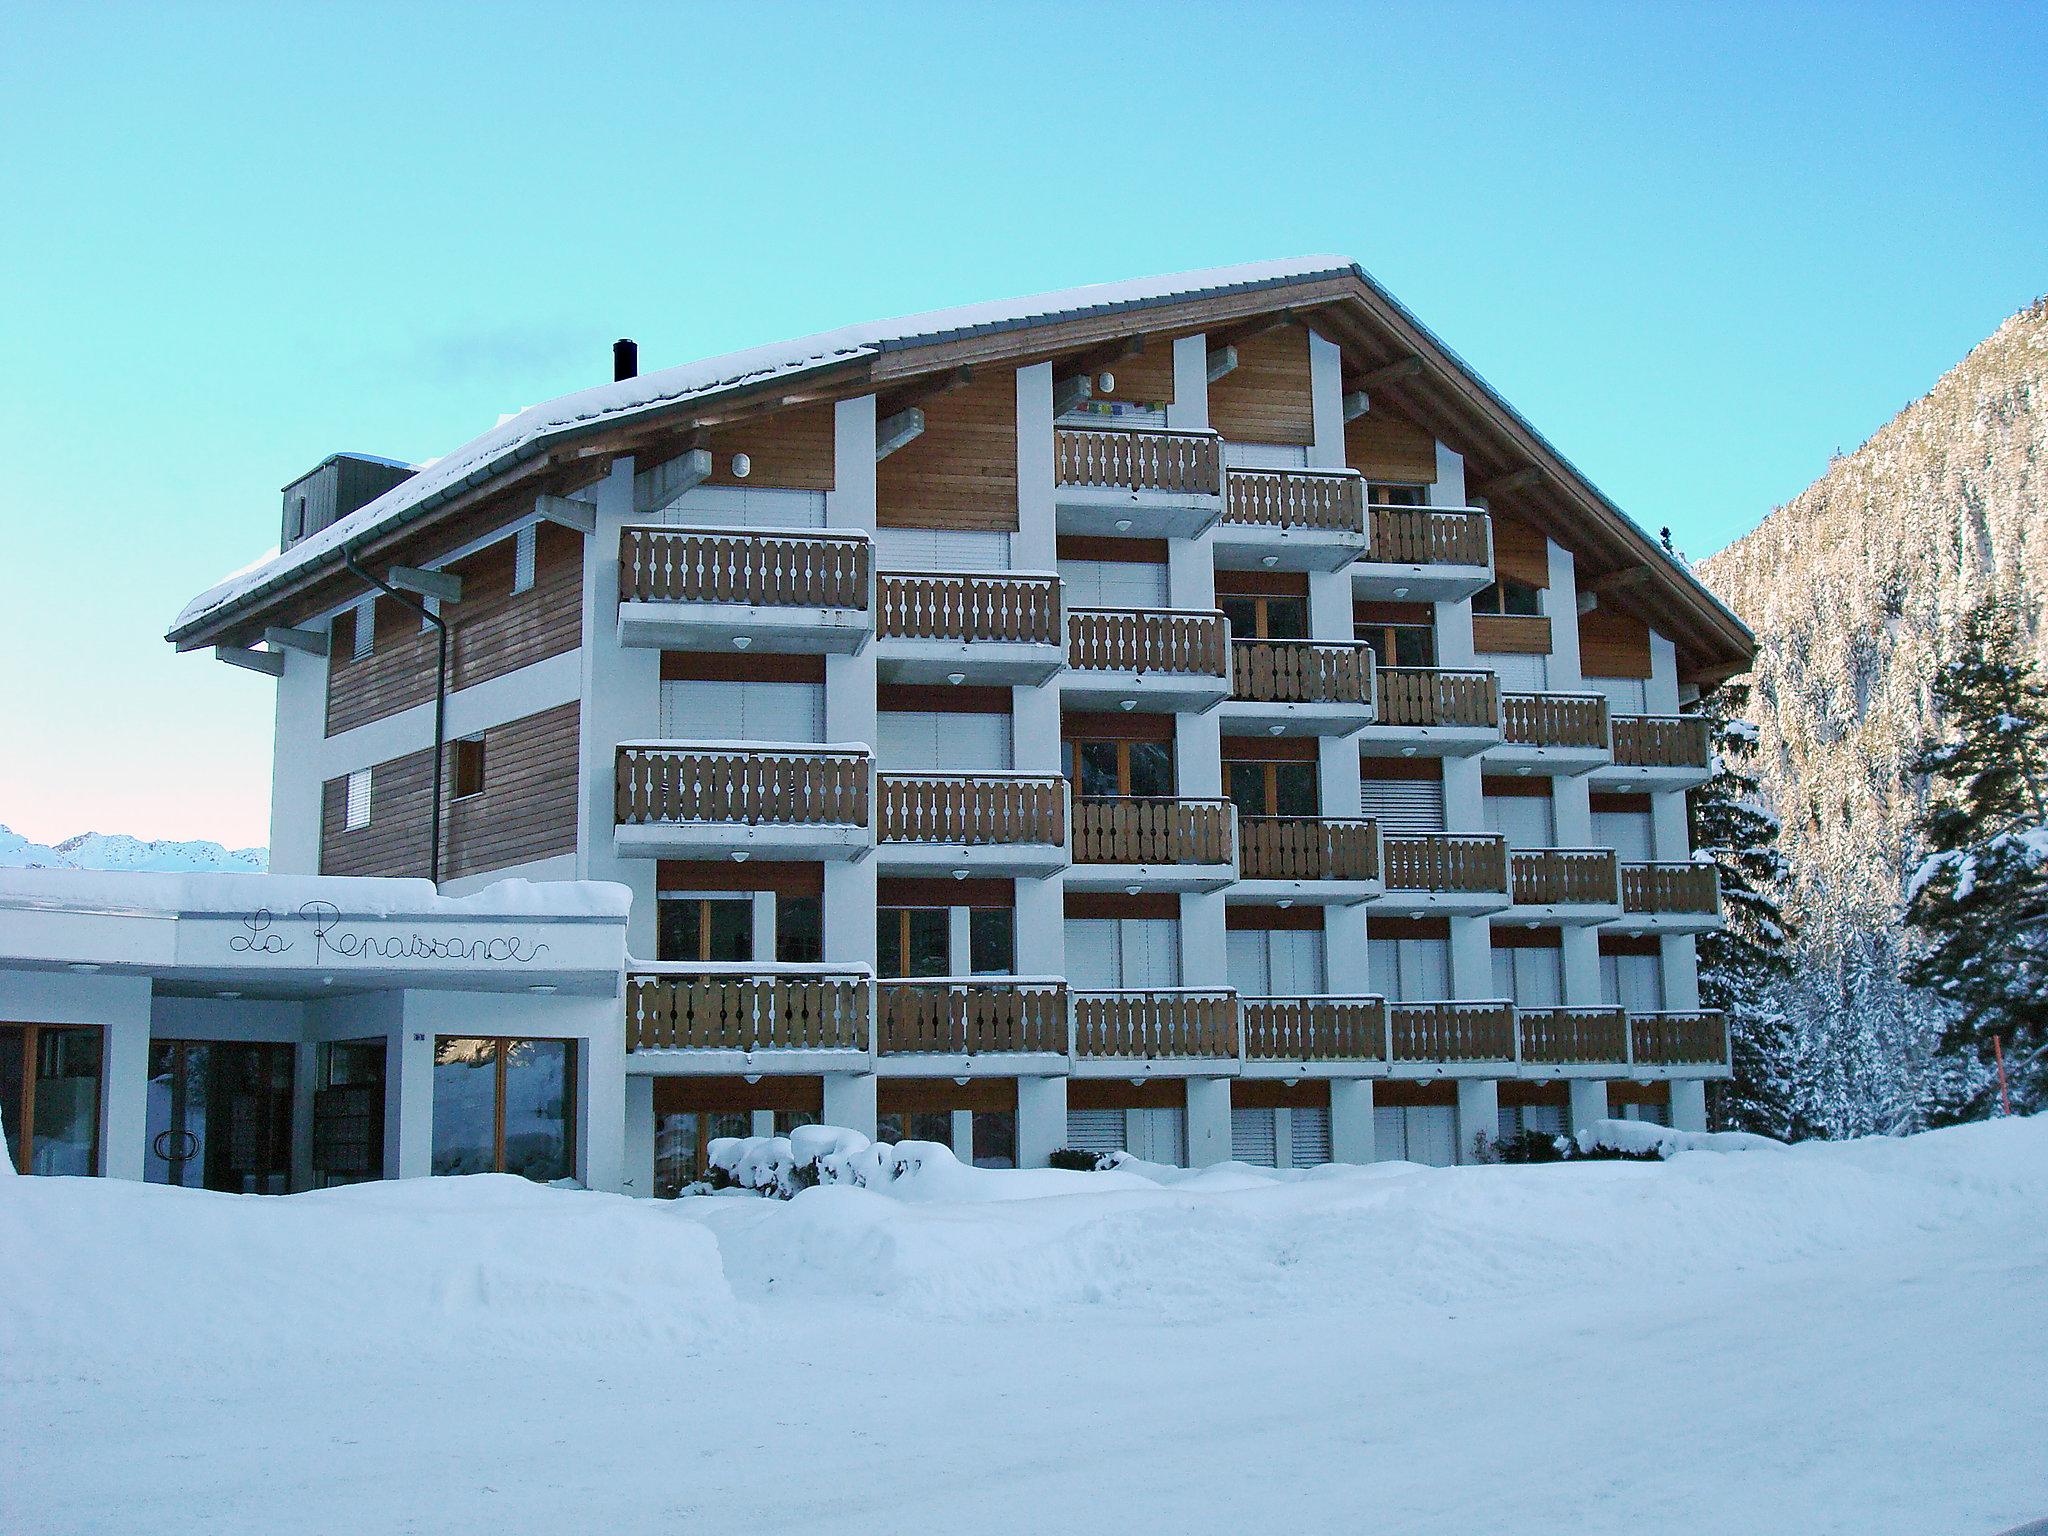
{"points": [[1613, 644], [1143, 378], [527, 809], [1266, 398], [1385, 445], [791, 450], [1495, 634], [1520, 551], [494, 631], [962, 472]]}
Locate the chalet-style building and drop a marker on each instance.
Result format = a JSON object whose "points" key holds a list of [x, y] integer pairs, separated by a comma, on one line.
{"points": [[1194, 715]]}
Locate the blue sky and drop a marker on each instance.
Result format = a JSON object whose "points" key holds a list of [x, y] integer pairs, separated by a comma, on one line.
{"points": [[1701, 247]]}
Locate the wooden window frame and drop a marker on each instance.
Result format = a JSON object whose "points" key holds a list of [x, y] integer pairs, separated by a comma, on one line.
{"points": [[1262, 612], [1269, 773], [1123, 765], [570, 1078], [23, 1094], [704, 901], [900, 916], [1378, 634], [467, 768], [349, 823], [1498, 589]]}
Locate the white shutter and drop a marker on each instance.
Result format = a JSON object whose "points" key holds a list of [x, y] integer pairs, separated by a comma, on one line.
{"points": [[1091, 953], [1150, 951], [1517, 673], [1539, 978], [1639, 983], [1113, 584], [1095, 1130], [1425, 969], [740, 506], [1296, 962], [1159, 1136], [1503, 973], [1625, 695], [1610, 980], [930, 742], [1311, 1136], [785, 711], [1252, 1138], [1265, 456], [1246, 961], [522, 558], [941, 549], [1383, 968], [694, 710], [359, 799], [1432, 1134], [1626, 832], [1389, 1134], [908, 742], [1414, 806], [1524, 820]]}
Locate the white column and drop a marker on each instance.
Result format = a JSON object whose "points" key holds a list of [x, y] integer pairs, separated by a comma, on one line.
{"points": [[1478, 1115], [963, 1135], [601, 1095], [1041, 1115], [1589, 1102], [1189, 410], [1688, 1104], [1035, 727], [1326, 399], [1198, 755], [1191, 572], [120, 1005], [1449, 490], [1351, 1127], [1581, 960], [1337, 775], [1208, 1121], [1471, 958], [849, 911], [1454, 646], [300, 724], [1041, 929], [1283, 1137], [409, 1093], [1660, 692], [1464, 796], [1561, 603], [850, 1101], [761, 1123], [305, 1069], [1670, 836], [1678, 959], [1344, 951], [1034, 548], [638, 1174], [1203, 940]]}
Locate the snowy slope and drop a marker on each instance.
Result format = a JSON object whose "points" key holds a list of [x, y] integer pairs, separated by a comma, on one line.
{"points": [[1833, 1338], [119, 851]]}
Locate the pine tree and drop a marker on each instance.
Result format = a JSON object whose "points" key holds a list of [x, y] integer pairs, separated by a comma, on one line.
{"points": [[1743, 966], [1979, 901]]}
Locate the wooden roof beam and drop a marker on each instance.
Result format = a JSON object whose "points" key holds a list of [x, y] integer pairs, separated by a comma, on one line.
{"points": [[1387, 373], [923, 391], [1527, 478]]}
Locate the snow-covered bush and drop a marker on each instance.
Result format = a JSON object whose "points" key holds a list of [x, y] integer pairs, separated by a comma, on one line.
{"points": [[779, 1166], [1084, 1162]]}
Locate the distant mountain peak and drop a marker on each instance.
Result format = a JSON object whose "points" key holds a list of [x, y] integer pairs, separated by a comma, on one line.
{"points": [[120, 851]]}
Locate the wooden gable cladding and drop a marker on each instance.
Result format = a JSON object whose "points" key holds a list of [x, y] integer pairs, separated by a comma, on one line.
{"points": [[1613, 644], [527, 809], [962, 471], [1266, 398], [1510, 634], [1385, 445], [789, 450], [1144, 377], [493, 631], [1520, 551]]}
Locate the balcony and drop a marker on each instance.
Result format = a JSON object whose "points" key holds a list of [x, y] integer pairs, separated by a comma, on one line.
{"points": [[1658, 752], [1444, 874], [1151, 485], [1308, 859], [743, 1019], [1678, 1044], [1428, 1039], [1163, 659], [695, 589], [1140, 842], [1551, 733], [985, 627], [1433, 712], [1562, 1038], [1292, 519], [1299, 687], [998, 824], [674, 799], [1669, 898], [1424, 554], [943, 1028], [1176, 1031], [1565, 885], [1314, 1036]]}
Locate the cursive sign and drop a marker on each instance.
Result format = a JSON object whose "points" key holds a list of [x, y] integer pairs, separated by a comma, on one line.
{"points": [[336, 938]]}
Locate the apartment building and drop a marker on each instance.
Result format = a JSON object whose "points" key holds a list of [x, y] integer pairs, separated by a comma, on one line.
{"points": [[1194, 715]]}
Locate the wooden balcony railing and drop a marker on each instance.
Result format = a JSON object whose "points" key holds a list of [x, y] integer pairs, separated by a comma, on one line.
{"points": [[1661, 741], [1301, 672], [1296, 498], [688, 565], [1141, 829], [1146, 1024], [1315, 1028], [1188, 462], [1570, 1037], [1678, 1039], [775, 785], [967, 1018], [1431, 1032], [1416, 696], [975, 809], [1565, 877], [1307, 848], [1443, 861], [963, 605], [666, 1011], [1688, 889], [1429, 536], [1553, 719], [1148, 640]]}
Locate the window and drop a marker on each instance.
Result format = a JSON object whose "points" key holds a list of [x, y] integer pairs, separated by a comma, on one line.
{"points": [[991, 943], [705, 928], [365, 628], [920, 1125], [1265, 618], [1411, 807], [913, 941], [1384, 493], [505, 1106], [1509, 595], [50, 1097], [523, 546], [468, 767], [799, 929], [220, 1115], [348, 1113], [1105, 768], [1271, 789], [1400, 645], [358, 800]]}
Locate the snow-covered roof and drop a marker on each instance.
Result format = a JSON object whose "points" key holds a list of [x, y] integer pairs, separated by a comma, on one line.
{"points": [[169, 895], [525, 434]]}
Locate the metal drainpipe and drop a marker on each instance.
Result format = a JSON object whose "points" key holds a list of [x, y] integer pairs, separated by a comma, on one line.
{"points": [[348, 558]]}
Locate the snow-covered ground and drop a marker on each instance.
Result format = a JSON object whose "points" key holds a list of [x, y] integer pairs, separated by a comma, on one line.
{"points": [[1834, 1338]]}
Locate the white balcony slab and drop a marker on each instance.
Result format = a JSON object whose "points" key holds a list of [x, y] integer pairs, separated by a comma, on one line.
{"points": [[1259, 546], [723, 839], [995, 860], [991, 662], [1150, 877], [1267, 717], [1116, 510], [1382, 580], [1150, 692], [717, 626]]}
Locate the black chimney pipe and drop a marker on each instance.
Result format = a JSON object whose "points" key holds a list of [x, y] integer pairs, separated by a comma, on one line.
{"points": [[625, 359]]}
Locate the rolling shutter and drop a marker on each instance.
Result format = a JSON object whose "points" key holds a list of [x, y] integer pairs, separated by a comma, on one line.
{"points": [[725, 711], [739, 506], [1311, 1136], [1095, 1130], [1413, 806], [1265, 456], [941, 549], [1159, 1135], [1091, 953], [1517, 674], [1252, 1137], [1113, 584], [1625, 695], [1524, 820], [1389, 1134], [1432, 1134], [927, 741], [1626, 832]]}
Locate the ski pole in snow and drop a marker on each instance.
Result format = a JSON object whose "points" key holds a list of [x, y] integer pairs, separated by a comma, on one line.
{"points": [[1998, 1050]]}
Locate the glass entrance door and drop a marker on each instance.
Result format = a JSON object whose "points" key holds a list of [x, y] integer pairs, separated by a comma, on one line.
{"points": [[220, 1115], [50, 1097]]}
